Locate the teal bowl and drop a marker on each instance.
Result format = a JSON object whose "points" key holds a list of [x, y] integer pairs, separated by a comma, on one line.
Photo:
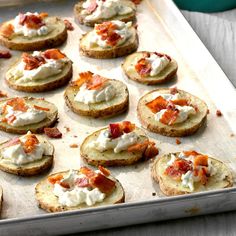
{"points": [[206, 5]]}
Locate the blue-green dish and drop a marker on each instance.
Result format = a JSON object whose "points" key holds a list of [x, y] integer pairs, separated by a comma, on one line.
{"points": [[206, 5]]}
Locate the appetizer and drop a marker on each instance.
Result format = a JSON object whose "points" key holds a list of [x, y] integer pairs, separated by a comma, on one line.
{"points": [[78, 189], [190, 172], [33, 31], [150, 67], [40, 71], [118, 144], [20, 115], [171, 112], [91, 12], [109, 40], [27, 155], [96, 96]]}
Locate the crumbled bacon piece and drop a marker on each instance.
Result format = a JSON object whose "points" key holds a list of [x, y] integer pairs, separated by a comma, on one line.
{"points": [[136, 1], [181, 102], [30, 143], [53, 132], [200, 160], [17, 104], [143, 67], [32, 62], [55, 178], [54, 54], [69, 25], [177, 141], [43, 14], [41, 108], [117, 129], [31, 21], [7, 30], [92, 7], [104, 170], [64, 184], [163, 55], [104, 184], [11, 142], [157, 104], [191, 153], [208, 111], [74, 145], [219, 113], [203, 175], [87, 172], [173, 90], [82, 182], [3, 94], [107, 32], [169, 116], [5, 54], [138, 147]]}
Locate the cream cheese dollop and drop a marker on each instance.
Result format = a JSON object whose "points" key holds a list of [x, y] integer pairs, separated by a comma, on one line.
{"points": [[105, 9], [27, 32], [105, 93], [31, 116], [104, 142], [50, 68], [15, 154], [76, 195], [123, 29]]}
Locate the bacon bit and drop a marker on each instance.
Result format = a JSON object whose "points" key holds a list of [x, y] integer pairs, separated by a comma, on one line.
{"points": [[202, 174], [3, 94], [43, 14], [87, 172], [29, 144], [104, 170], [191, 153], [54, 54], [69, 25], [169, 116], [55, 178], [219, 113], [5, 54], [17, 104], [177, 141], [95, 82], [200, 160], [173, 90], [92, 7], [138, 147], [32, 62], [181, 102], [107, 32], [82, 182], [10, 119], [53, 132], [143, 67], [151, 151], [208, 111], [32, 21], [104, 184], [11, 142], [173, 173], [163, 55], [64, 185], [157, 104], [117, 129], [74, 145], [41, 108], [7, 30], [136, 1]]}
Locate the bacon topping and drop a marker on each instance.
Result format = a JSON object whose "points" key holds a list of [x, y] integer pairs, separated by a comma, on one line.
{"points": [[169, 116], [5, 54], [7, 30], [107, 32], [136, 1], [54, 54], [53, 132], [117, 129], [87, 172], [55, 178], [173, 90], [32, 62], [17, 104], [69, 25], [82, 182], [3, 94], [143, 67], [30, 143], [104, 170], [41, 108], [157, 104], [32, 21], [219, 113]]}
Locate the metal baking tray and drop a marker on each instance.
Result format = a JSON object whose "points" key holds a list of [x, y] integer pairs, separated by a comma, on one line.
{"points": [[161, 27]]}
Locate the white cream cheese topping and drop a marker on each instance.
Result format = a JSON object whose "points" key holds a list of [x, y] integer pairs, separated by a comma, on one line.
{"points": [[119, 144], [123, 29], [15, 154], [31, 116], [105, 93], [76, 195], [105, 9], [50, 68], [27, 32]]}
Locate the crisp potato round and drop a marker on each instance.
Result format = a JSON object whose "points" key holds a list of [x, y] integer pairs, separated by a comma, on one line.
{"points": [[43, 85], [49, 202], [172, 187], [108, 158], [55, 38], [188, 127], [50, 120], [33, 168], [128, 47], [115, 106], [165, 75], [125, 18]]}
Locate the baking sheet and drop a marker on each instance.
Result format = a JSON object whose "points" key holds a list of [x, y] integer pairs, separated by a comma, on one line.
{"points": [[198, 74]]}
